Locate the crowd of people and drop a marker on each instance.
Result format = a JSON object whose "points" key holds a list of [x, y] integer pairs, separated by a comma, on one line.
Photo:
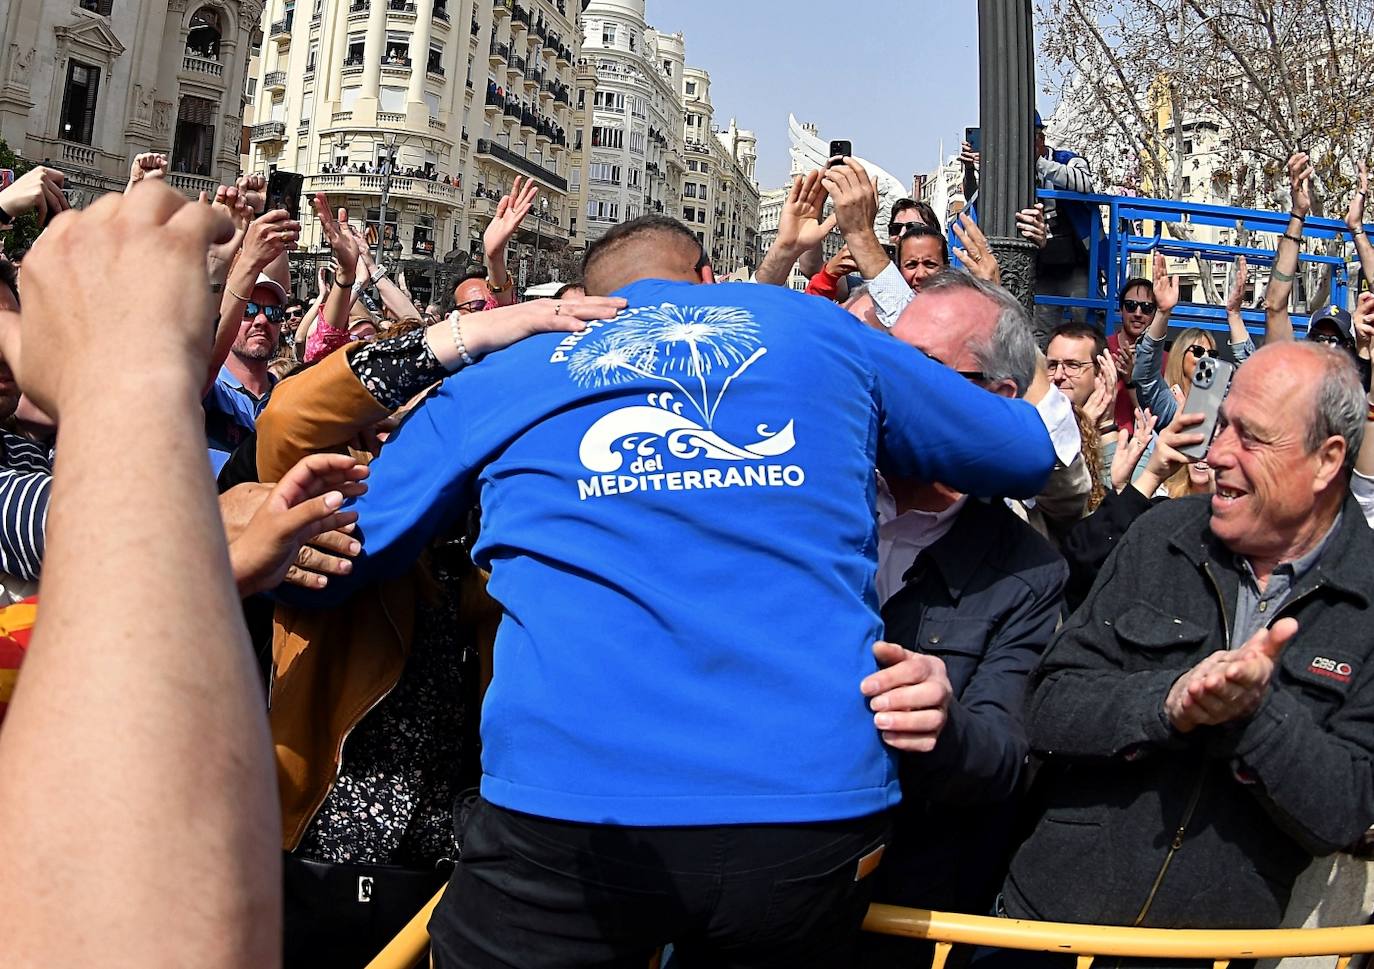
{"points": [[662, 619]]}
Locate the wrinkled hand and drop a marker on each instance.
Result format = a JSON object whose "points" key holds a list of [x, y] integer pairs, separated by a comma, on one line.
{"points": [[855, 197], [151, 234], [975, 254], [37, 190], [968, 156], [342, 242], [221, 257], [1130, 446], [268, 525], [1235, 298], [1168, 456], [1103, 397], [269, 236], [1032, 225], [510, 212], [909, 697], [800, 227], [1229, 684], [149, 164], [1300, 182], [498, 328], [842, 263], [1166, 286]]}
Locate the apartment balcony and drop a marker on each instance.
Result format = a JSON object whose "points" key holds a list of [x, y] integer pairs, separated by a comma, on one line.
{"points": [[353, 65], [476, 29], [192, 185], [498, 53], [396, 65], [417, 189], [441, 15], [500, 8], [517, 65], [400, 11], [275, 81], [519, 18], [545, 91], [494, 103], [268, 131], [280, 32], [201, 67], [564, 56], [394, 118], [436, 72], [520, 165]]}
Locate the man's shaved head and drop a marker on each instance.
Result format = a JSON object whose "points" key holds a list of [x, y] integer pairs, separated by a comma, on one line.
{"points": [[650, 247]]}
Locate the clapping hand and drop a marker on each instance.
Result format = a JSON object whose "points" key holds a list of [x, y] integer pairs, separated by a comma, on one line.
{"points": [[1300, 172], [344, 243], [1235, 299], [1166, 286], [1104, 390], [1229, 684], [1362, 320], [1130, 446]]}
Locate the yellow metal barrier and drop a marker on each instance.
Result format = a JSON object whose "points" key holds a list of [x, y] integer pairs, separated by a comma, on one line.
{"points": [[946, 929]]}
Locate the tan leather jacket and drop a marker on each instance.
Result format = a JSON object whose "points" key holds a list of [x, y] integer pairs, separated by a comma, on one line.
{"points": [[331, 666]]}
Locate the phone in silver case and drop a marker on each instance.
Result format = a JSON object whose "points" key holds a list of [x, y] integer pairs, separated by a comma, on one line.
{"points": [[1211, 381]]}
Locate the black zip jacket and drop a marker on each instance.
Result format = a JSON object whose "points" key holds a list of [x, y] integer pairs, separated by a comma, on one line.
{"points": [[1136, 823]]}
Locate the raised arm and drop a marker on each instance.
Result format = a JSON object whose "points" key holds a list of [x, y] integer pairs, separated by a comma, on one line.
{"points": [[139, 694], [510, 212], [1354, 221], [1241, 344], [1278, 323], [1150, 390], [800, 229]]}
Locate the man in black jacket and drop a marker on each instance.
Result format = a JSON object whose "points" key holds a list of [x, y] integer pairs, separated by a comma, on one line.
{"points": [[1206, 719]]}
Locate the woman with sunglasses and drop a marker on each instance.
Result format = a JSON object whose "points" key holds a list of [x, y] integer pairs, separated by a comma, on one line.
{"points": [[1152, 390]]}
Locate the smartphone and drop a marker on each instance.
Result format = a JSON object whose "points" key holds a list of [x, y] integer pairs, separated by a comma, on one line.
{"points": [[1211, 383], [6, 177], [839, 150], [328, 276], [284, 192], [974, 137]]}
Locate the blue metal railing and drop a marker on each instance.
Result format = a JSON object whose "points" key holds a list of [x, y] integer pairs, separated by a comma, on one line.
{"points": [[1124, 235]]}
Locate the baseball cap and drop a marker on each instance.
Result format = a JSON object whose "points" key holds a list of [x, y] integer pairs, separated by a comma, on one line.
{"points": [[1338, 318], [1038, 123], [272, 284]]}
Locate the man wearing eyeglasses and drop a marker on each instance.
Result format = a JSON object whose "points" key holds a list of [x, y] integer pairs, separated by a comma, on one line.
{"points": [[240, 392], [472, 296]]}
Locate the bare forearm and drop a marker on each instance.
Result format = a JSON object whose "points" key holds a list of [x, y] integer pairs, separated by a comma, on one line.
{"points": [[1278, 324], [395, 300], [139, 699], [1159, 326], [338, 304], [776, 266], [498, 277]]}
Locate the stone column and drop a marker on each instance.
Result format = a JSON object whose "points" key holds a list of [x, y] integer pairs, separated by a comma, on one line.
{"points": [[1006, 182], [375, 50], [333, 51], [419, 51]]}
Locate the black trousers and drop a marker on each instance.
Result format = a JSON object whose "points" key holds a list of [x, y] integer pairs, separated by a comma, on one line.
{"points": [[534, 893]]}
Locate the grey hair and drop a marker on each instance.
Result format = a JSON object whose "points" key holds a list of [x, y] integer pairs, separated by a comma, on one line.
{"points": [[1341, 408], [1010, 352]]}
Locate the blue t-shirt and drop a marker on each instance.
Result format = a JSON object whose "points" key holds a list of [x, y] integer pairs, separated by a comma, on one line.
{"points": [[678, 515], [231, 413]]}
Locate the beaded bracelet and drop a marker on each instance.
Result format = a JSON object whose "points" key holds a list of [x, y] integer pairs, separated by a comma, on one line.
{"points": [[458, 342]]}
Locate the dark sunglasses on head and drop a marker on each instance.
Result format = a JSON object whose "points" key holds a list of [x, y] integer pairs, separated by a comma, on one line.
{"points": [[897, 228], [274, 314], [1199, 351], [1137, 306]]}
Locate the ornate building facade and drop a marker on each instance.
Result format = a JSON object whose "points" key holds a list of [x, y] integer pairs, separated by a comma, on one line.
{"points": [[89, 84]]}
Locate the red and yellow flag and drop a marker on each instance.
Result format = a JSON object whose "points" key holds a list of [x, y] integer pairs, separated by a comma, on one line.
{"points": [[16, 626]]}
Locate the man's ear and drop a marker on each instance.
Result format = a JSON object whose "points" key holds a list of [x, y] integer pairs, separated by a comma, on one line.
{"points": [[1006, 387], [708, 274]]}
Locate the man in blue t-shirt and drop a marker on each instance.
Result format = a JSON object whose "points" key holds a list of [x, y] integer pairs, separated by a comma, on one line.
{"points": [[678, 512]]}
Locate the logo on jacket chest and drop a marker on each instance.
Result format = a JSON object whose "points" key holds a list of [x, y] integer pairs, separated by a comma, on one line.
{"points": [[1331, 669], [696, 354]]}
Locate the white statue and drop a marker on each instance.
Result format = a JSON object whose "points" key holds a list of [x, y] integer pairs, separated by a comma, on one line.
{"points": [[810, 152]]}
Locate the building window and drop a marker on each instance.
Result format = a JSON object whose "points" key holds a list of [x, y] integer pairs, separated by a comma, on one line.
{"points": [[101, 7], [608, 137], [78, 102], [252, 88], [1187, 184], [634, 179], [311, 57], [203, 37], [637, 142], [397, 48], [194, 146], [435, 64], [691, 89], [598, 211], [1187, 146], [608, 35], [357, 44], [604, 173]]}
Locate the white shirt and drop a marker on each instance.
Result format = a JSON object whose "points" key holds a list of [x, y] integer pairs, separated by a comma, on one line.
{"points": [[903, 537]]}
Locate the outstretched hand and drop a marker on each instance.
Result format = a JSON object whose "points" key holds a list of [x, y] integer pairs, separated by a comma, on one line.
{"points": [[342, 242], [1235, 299], [510, 212], [800, 226], [1300, 173], [1165, 286]]}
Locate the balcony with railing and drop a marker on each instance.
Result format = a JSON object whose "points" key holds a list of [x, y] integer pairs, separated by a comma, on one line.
{"points": [[500, 8], [268, 131], [522, 165], [498, 53], [441, 13], [352, 183], [192, 184], [201, 66], [392, 64], [516, 65], [519, 18], [280, 32], [435, 70], [401, 9], [275, 81]]}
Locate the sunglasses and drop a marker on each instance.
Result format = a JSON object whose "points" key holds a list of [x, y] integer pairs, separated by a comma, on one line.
{"points": [[274, 314], [1330, 339], [1137, 306], [472, 306], [1200, 351], [897, 228]]}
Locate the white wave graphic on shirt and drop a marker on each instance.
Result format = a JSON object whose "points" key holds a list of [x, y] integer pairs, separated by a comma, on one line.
{"points": [[690, 349]]}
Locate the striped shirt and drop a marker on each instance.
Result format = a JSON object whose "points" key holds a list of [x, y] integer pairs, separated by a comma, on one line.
{"points": [[25, 487]]}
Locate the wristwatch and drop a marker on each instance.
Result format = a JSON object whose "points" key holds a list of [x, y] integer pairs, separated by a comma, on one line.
{"points": [[377, 275], [506, 287]]}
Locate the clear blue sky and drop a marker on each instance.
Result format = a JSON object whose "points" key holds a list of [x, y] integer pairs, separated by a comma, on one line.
{"points": [[892, 76]]}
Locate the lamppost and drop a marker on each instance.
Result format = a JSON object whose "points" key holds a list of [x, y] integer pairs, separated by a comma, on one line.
{"points": [[539, 218], [388, 166], [1006, 78]]}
